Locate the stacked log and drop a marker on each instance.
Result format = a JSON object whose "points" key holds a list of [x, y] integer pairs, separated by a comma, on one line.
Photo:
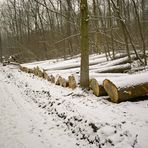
{"points": [[72, 82], [129, 91], [64, 82], [61, 81], [24, 69], [116, 69], [39, 72], [45, 75], [30, 70], [35, 71], [58, 80], [98, 90], [52, 79]]}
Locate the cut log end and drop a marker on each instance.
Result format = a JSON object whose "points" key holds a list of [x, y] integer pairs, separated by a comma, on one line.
{"points": [[58, 80], [45, 75], [72, 82], [112, 90], [93, 84], [52, 78], [120, 94], [64, 83], [98, 90]]}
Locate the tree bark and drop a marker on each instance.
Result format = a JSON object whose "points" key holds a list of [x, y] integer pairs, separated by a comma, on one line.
{"points": [[84, 77]]}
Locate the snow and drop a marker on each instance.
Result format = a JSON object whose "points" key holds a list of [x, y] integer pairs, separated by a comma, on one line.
{"points": [[36, 113], [132, 80], [65, 64]]}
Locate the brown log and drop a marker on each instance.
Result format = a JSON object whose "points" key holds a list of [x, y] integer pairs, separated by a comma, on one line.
{"points": [[24, 69], [29, 70], [58, 80], [39, 72], [64, 82], [45, 75], [126, 93], [72, 82], [35, 71], [98, 90], [52, 79]]}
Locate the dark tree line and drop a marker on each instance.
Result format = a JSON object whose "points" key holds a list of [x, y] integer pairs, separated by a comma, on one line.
{"points": [[45, 29]]}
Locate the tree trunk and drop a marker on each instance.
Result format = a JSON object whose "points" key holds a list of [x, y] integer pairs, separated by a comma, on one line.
{"points": [[145, 24], [84, 77]]}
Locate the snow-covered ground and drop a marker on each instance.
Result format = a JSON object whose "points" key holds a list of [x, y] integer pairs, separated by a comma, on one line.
{"points": [[36, 113]]}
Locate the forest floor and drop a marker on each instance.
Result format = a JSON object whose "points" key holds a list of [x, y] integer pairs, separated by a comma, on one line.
{"points": [[37, 113]]}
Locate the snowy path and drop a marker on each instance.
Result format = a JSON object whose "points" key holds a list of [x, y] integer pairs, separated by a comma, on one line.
{"points": [[36, 113], [23, 125]]}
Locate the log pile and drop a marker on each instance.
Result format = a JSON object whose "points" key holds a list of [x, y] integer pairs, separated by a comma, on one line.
{"points": [[58, 80], [109, 87]]}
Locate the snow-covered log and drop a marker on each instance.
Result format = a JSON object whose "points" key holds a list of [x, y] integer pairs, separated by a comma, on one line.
{"points": [[127, 88], [98, 90], [98, 67], [115, 69]]}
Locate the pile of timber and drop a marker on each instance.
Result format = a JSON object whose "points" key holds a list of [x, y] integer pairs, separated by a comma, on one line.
{"points": [[132, 85], [58, 80], [119, 65], [120, 89]]}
